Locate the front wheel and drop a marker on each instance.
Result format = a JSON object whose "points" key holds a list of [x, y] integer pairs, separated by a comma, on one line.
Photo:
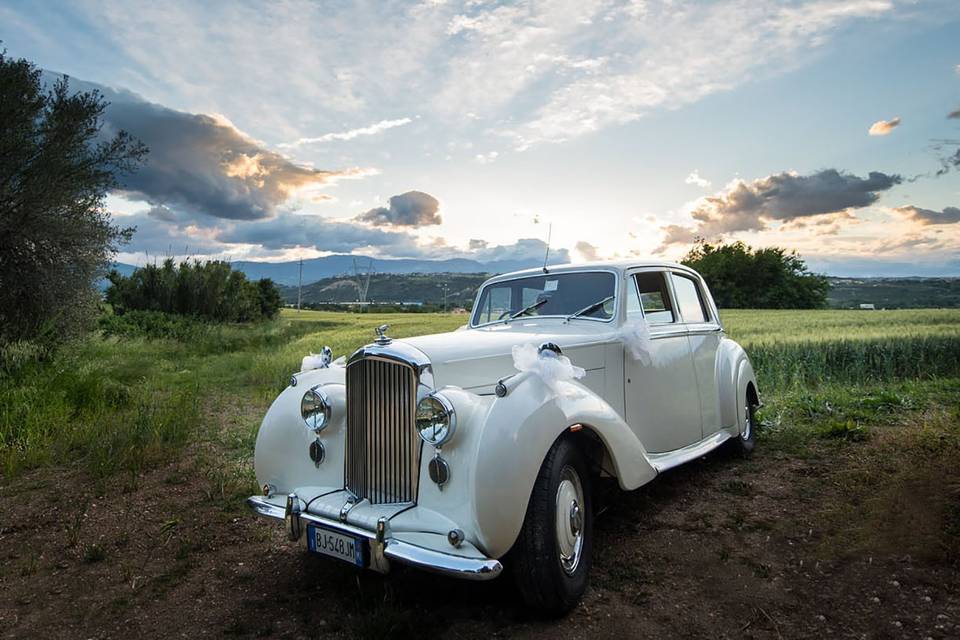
{"points": [[555, 548]]}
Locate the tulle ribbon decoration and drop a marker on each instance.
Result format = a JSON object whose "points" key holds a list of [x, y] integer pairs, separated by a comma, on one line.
{"points": [[552, 368], [635, 335]]}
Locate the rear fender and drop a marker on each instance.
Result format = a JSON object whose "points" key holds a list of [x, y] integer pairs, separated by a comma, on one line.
{"points": [[735, 376]]}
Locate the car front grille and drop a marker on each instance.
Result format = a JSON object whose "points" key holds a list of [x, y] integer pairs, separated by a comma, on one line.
{"points": [[383, 448]]}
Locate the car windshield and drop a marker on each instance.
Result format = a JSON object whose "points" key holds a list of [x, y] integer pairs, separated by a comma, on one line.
{"points": [[558, 294]]}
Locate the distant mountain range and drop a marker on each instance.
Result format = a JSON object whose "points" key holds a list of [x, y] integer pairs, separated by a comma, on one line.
{"points": [[287, 273]]}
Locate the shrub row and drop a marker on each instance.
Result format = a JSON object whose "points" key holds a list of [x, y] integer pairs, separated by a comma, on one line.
{"points": [[210, 290]]}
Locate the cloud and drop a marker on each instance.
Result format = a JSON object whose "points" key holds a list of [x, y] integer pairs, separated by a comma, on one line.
{"points": [[676, 234], [487, 158], [884, 127], [950, 215], [677, 55], [694, 178], [557, 70], [203, 164], [292, 230], [783, 197], [410, 209], [476, 245], [586, 250], [948, 162], [370, 130], [530, 249]]}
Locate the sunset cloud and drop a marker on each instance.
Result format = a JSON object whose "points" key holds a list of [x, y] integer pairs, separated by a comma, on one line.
{"points": [[587, 251], [202, 164], [783, 197], [950, 215], [884, 127], [410, 209]]}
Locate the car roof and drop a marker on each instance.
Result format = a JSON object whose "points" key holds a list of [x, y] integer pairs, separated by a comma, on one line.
{"points": [[610, 265]]}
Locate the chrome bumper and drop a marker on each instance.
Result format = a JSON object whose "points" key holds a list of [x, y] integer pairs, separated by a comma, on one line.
{"points": [[383, 547]]}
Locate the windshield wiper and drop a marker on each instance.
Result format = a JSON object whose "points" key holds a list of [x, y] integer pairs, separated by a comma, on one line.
{"points": [[588, 308], [527, 309]]}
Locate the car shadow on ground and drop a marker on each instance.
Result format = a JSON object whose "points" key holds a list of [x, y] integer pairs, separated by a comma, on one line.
{"points": [[302, 593]]}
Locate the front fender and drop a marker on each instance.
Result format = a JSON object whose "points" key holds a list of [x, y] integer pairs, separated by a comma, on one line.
{"points": [[518, 431], [282, 451]]}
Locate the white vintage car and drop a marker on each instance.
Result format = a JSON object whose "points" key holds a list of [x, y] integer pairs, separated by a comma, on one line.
{"points": [[468, 451]]}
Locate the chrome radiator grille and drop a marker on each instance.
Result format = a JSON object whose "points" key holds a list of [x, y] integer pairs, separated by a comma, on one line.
{"points": [[383, 449]]}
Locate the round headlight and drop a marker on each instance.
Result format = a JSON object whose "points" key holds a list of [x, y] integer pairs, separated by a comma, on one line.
{"points": [[315, 409], [436, 419]]}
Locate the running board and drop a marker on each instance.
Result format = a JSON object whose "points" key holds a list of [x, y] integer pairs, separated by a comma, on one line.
{"points": [[663, 461]]}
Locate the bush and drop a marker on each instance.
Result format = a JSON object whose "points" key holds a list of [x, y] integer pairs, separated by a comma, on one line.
{"points": [[209, 290]]}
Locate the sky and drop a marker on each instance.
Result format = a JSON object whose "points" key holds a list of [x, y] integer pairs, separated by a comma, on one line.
{"points": [[476, 129]]}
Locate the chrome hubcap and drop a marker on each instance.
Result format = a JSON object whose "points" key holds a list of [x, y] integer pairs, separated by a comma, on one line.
{"points": [[747, 424], [569, 522]]}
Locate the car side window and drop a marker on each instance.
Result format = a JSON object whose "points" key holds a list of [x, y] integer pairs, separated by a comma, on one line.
{"points": [[690, 299], [654, 297]]}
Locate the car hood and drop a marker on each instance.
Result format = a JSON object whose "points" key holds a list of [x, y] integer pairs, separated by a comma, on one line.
{"points": [[476, 358]]}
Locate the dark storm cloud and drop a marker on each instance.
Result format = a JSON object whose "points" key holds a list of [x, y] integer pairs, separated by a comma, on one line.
{"points": [[784, 197], [950, 215], [292, 230], [410, 209], [202, 164]]}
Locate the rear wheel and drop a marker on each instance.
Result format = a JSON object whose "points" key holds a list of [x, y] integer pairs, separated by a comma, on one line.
{"points": [[555, 548], [746, 440]]}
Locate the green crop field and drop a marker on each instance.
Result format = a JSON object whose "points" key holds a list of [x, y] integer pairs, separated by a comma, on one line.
{"points": [[126, 402]]}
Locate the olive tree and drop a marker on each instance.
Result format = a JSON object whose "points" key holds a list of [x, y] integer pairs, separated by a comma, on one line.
{"points": [[56, 236]]}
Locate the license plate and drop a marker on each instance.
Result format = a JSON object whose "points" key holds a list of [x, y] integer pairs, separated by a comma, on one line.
{"points": [[336, 544]]}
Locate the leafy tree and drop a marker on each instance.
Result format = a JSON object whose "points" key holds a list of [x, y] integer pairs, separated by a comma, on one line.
{"points": [[209, 290], [743, 278], [56, 236], [270, 299]]}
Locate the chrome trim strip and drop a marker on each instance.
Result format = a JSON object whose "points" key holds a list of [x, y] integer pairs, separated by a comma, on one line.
{"points": [[703, 331], [420, 557]]}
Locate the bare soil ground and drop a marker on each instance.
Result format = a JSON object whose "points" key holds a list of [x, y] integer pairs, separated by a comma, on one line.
{"points": [[832, 540]]}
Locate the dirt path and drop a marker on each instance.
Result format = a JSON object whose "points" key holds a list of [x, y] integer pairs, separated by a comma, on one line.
{"points": [[828, 544]]}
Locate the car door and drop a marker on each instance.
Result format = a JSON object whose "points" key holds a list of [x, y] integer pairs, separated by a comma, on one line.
{"points": [[704, 333], [661, 399]]}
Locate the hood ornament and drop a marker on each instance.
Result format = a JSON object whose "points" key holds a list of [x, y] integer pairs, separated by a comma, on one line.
{"points": [[382, 337]]}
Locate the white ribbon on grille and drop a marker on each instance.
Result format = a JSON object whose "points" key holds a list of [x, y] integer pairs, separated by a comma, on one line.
{"points": [[550, 367]]}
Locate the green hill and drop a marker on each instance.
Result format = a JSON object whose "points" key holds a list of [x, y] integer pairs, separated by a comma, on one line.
{"points": [[894, 293], [389, 288]]}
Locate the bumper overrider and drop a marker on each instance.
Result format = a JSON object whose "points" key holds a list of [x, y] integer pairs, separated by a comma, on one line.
{"points": [[383, 545]]}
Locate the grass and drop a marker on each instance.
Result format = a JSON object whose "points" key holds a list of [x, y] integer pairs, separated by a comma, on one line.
{"points": [[122, 402]]}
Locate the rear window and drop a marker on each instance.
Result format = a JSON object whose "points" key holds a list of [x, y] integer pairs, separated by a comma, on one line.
{"points": [[690, 299], [559, 294]]}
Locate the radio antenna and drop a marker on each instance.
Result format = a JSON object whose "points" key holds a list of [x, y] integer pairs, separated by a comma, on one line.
{"points": [[547, 254]]}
